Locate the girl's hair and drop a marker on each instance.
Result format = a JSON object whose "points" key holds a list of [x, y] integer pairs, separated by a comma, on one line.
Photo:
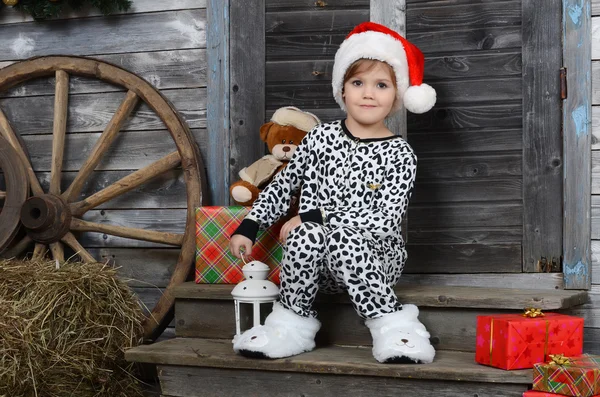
{"points": [[364, 65]]}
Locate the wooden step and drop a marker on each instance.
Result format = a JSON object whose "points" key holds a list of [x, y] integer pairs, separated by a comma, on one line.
{"points": [[203, 367], [449, 313]]}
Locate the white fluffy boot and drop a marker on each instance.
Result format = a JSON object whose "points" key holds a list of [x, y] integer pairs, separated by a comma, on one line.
{"points": [[284, 334], [401, 338]]}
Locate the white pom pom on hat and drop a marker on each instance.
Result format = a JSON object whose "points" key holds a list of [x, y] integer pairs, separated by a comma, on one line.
{"points": [[371, 40]]}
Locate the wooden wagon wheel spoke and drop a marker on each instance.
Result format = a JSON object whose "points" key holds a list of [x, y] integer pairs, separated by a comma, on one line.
{"points": [[108, 136], [126, 184], [18, 248], [8, 134], [50, 219], [128, 232], [72, 242], [39, 252], [58, 252], [61, 104]]}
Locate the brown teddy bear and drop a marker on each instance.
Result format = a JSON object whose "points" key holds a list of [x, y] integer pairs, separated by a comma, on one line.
{"points": [[288, 126]]}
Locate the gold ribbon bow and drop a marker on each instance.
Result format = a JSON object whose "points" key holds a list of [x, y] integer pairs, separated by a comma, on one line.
{"points": [[533, 312], [559, 359]]}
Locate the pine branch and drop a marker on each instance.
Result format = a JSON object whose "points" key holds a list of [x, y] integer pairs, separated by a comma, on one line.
{"points": [[45, 9]]}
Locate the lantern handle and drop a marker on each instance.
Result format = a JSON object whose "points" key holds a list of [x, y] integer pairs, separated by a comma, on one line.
{"points": [[242, 255]]}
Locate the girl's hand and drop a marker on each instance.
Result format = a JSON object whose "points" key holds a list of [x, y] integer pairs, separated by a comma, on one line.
{"points": [[288, 227], [238, 242]]}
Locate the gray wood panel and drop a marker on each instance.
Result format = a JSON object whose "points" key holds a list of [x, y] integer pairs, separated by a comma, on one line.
{"points": [[595, 7], [162, 69], [480, 166], [181, 381], [431, 17], [448, 92], [11, 15], [218, 106], [595, 260], [307, 22], [480, 64], [591, 310], [577, 52], [324, 46], [482, 235], [247, 99], [295, 5], [542, 139], [591, 340], [463, 258], [167, 30], [460, 190], [595, 38], [465, 215], [92, 112], [217, 353]]}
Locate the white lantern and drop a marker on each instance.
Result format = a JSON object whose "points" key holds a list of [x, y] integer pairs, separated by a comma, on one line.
{"points": [[255, 290]]}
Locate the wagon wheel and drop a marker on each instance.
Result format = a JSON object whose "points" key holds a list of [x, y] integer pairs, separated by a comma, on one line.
{"points": [[50, 218]]}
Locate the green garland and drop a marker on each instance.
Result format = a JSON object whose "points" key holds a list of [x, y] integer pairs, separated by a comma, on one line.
{"points": [[45, 9]]}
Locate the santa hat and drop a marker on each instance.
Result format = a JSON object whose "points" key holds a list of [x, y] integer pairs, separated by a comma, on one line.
{"points": [[370, 40]]}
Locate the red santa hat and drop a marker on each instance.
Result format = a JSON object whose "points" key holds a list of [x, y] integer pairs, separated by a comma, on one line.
{"points": [[371, 40]]}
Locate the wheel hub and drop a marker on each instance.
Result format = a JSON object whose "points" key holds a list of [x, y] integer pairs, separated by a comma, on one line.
{"points": [[46, 218]]}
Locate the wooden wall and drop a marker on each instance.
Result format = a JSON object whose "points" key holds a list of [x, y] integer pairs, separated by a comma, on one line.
{"points": [[466, 213], [164, 42], [591, 311]]}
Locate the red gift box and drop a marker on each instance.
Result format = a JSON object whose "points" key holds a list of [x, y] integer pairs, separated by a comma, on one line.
{"points": [[513, 341], [214, 263], [534, 393]]}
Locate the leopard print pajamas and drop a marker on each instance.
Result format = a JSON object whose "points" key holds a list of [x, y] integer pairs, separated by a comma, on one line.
{"points": [[353, 195]]}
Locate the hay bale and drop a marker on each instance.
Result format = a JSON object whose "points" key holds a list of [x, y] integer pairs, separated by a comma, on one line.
{"points": [[63, 332]]}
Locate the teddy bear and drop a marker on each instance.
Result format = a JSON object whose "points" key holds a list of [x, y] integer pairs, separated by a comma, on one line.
{"points": [[288, 126]]}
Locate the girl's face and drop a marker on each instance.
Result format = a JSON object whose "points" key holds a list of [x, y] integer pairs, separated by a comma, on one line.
{"points": [[369, 94]]}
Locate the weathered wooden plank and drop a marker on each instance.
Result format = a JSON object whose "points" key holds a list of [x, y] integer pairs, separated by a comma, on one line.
{"points": [[307, 22], [11, 15], [550, 281], [183, 381], [433, 17], [247, 97], [170, 30], [132, 150], [296, 5], [591, 310], [217, 353], [577, 52], [595, 172], [429, 296], [452, 119], [163, 69], [91, 112], [595, 38], [160, 220], [218, 102], [591, 340], [484, 235], [595, 127], [459, 190], [465, 142], [596, 82], [595, 7], [441, 67], [324, 46], [595, 260], [463, 258], [448, 92], [490, 165], [542, 140], [465, 215], [443, 3], [595, 217]]}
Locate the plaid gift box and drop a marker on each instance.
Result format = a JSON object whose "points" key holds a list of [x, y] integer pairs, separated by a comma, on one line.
{"points": [[214, 262], [533, 393], [580, 377], [513, 341]]}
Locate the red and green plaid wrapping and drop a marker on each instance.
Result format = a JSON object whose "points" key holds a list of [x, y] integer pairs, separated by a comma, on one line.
{"points": [[214, 262], [580, 378]]}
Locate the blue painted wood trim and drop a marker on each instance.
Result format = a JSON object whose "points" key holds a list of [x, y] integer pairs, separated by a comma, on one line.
{"points": [[577, 115], [217, 113]]}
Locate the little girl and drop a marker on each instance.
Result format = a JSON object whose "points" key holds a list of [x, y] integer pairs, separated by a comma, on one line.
{"points": [[355, 179]]}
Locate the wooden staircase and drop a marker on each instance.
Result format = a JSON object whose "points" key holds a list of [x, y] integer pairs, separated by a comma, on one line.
{"points": [[200, 361]]}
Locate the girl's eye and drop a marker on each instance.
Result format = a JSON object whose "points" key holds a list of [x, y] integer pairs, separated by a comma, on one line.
{"points": [[283, 141], [381, 85], [357, 83]]}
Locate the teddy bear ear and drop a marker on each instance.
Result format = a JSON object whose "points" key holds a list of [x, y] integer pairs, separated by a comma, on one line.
{"points": [[264, 130]]}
